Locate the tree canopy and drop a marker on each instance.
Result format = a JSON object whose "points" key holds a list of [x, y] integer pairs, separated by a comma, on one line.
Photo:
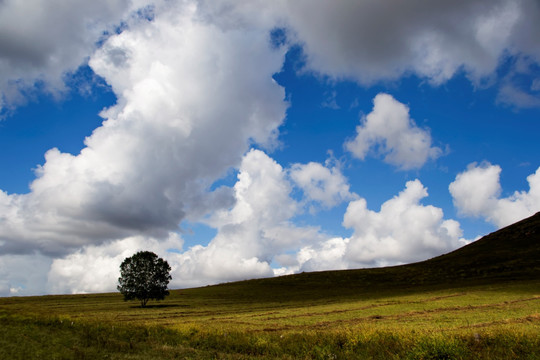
{"points": [[144, 276]]}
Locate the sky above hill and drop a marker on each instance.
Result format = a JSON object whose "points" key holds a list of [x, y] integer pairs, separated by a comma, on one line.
{"points": [[242, 139]]}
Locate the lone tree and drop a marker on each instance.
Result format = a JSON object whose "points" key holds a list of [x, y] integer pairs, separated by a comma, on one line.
{"points": [[144, 276]]}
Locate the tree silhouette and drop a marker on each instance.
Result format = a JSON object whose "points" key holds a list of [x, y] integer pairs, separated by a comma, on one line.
{"points": [[144, 276]]}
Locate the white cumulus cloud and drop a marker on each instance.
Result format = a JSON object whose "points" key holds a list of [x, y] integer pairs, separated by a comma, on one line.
{"points": [[185, 114], [389, 131], [321, 183], [402, 231], [477, 190], [327, 255], [255, 231]]}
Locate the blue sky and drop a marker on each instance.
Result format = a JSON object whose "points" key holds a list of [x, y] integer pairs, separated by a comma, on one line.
{"points": [[256, 139]]}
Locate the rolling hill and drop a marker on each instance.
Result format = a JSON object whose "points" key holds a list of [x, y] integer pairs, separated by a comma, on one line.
{"points": [[511, 253]]}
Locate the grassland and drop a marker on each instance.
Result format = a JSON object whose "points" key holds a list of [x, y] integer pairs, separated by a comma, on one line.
{"points": [[475, 303], [478, 321]]}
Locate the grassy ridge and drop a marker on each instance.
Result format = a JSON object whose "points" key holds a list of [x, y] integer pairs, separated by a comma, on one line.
{"points": [[510, 254], [481, 301]]}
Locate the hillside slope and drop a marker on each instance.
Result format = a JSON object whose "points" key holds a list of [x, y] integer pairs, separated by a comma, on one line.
{"points": [[512, 253]]}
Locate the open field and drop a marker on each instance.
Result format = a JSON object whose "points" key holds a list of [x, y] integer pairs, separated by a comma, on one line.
{"points": [[478, 321], [479, 302]]}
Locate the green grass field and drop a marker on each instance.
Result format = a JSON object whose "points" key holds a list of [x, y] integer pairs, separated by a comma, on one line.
{"points": [[478, 321], [469, 304]]}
